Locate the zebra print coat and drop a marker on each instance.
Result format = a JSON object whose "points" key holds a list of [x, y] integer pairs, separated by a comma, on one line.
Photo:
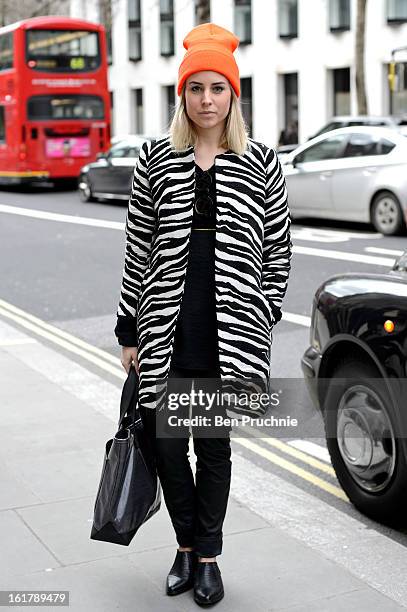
{"points": [[252, 261]]}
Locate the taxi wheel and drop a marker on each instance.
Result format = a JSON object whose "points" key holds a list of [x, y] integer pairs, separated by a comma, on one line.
{"points": [[365, 450], [85, 192], [387, 215]]}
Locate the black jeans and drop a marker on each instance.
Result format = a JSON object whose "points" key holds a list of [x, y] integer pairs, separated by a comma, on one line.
{"points": [[197, 509]]}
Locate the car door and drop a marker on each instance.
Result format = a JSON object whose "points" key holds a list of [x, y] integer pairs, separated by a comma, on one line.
{"points": [[124, 170], [364, 155], [104, 177], [118, 164], [309, 176]]}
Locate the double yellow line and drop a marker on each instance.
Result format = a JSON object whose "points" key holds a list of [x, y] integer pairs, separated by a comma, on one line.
{"points": [[111, 364], [87, 351], [293, 468]]}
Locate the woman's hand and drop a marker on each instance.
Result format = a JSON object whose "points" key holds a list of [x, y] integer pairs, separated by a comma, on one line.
{"points": [[129, 355]]}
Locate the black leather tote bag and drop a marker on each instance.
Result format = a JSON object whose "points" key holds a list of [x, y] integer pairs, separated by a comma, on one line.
{"points": [[129, 491]]}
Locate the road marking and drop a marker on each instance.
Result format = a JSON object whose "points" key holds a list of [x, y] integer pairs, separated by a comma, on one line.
{"points": [[91, 353], [382, 251], [116, 225], [49, 216], [74, 344], [286, 447], [344, 256], [337, 233], [302, 320], [312, 449], [311, 234], [292, 468]]}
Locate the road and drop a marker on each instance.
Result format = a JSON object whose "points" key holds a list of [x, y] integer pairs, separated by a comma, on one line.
{"points": [[60, 268]]}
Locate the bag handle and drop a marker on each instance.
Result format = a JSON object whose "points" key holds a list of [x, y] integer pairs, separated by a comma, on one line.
{"points": [[129, 399]]}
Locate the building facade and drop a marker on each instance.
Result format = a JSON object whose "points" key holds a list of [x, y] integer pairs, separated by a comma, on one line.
{"points": [[296, 59]]}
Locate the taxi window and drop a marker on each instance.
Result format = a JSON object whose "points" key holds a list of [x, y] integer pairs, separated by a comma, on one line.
{"points": [[119, 151], [133, 152]]}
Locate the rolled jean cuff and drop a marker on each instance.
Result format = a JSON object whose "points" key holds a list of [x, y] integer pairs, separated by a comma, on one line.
{"points": [[208, 547]]}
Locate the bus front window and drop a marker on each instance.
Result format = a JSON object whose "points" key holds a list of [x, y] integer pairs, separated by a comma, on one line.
{"points": [[62, 50]]}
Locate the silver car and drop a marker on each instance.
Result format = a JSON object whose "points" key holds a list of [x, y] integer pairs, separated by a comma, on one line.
{"points": [[351, 174]]}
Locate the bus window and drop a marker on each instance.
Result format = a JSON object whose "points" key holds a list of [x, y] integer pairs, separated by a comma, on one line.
{"points": [[6, 51], [62, 50], [65, 107], [2, 126]]}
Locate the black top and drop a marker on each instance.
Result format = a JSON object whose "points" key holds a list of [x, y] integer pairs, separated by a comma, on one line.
{"points": [[196, 341]]}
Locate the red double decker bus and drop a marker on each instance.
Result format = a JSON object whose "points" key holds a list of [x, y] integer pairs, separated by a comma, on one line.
{"points": [[54, 98]]}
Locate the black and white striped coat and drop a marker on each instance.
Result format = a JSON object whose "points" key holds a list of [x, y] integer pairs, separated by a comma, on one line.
{"points": [[252, 258]]}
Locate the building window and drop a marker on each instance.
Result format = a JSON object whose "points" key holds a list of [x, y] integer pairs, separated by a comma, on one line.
{"points": [[134, 30], [341, 91], [137, 115], [339, 15], [169, 104], [166, 27], [288, 18], [246, 102], [289, 133], [202, 11], [243, 21], [396, 11], [398, 97], [6, 51], [106, 18]]}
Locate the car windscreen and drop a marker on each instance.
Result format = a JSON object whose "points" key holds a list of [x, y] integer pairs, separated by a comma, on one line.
{"points": [[62, 50], [65, 107]]}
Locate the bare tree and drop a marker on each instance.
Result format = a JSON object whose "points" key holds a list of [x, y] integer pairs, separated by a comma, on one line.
{"points": [[360, 57], [11, 10]]}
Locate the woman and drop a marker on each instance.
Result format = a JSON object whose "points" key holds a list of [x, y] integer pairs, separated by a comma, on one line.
{"points": [[206, 268]]}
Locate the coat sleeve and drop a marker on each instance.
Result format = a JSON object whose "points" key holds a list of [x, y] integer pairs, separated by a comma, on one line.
{"points": [[140, 224], [277, 245]]}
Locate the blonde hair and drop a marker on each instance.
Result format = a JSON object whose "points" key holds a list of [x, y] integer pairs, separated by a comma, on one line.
{"points": [[235, 136]]}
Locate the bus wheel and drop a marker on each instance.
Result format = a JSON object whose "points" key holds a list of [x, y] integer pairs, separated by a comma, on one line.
{"points": [[85, 190]]}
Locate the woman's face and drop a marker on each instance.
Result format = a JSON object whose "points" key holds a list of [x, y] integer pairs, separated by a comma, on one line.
{"points": [[207, 98]]}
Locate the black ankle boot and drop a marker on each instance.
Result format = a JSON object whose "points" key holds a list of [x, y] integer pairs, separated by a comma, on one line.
{"points": [[181, 575], [208, 585]]}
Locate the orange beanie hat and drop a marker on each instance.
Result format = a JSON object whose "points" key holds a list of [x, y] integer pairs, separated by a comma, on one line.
{"points": [[210, 47]]}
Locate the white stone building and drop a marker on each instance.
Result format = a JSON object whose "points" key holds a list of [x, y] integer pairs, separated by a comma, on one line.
{"points": [[296, 59]]}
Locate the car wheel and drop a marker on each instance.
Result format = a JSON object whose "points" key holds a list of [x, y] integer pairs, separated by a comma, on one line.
{"points": [[387, 215], [85, 190], [365, 451]]}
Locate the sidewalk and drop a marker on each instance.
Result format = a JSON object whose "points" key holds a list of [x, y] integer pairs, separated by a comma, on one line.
{"points": [[56, 416]]}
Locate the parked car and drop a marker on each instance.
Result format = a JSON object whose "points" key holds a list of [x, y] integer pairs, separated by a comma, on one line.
{"points": [[116, 139], [355, 369], [351, 174], [110, 176], [369, 120]]}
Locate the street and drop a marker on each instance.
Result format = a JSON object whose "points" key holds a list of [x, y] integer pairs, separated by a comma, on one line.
{"points": [[60, 268]]}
